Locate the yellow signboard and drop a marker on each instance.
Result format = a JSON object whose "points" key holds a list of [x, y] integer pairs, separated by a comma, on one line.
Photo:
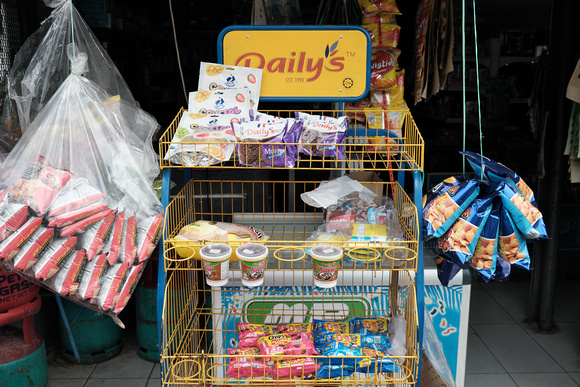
{"points": [[306, 63]]}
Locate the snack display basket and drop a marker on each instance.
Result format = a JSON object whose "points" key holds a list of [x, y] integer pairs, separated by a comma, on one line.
{"points": [[198, 322]]}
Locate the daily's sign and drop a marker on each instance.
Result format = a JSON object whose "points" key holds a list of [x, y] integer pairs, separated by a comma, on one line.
{"points": [[329, 63]]}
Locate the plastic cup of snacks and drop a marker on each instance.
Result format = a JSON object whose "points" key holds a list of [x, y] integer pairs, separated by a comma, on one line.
{"points": [[252, 257], [216, 263], [326, 263]]}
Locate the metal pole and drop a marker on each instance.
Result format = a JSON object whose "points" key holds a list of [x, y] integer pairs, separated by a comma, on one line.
{"points": [[561, 65]]}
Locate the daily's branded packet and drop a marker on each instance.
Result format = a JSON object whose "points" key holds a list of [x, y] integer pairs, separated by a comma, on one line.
{"points": [[461, 239], [202, 139], [512, 244], [322, 135], [233, 102], [484, 256], [271, 143], [445, 208], [214, 76]]}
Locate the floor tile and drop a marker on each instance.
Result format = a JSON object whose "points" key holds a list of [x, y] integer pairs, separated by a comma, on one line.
{"points": [[487, 380], [116, 383], [484, 309], [575, 376], [543, 380], [126, 365], [59, 368], [516, 351], [562, 346], [156, 372], [479, 359], [66, 382], [567, 304], [153, 383], [512, 297]]}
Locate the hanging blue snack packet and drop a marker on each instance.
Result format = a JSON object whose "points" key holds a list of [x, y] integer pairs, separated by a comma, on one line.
{"points": [[440, 188], [502, 270], [496, 172], [369, 326], [447, 268], [461, 239], [527, 218], [512, 244], [445, 209], [485, 253]]}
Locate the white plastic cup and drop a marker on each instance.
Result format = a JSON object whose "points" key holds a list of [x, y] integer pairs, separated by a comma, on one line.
{"points": [[326, 263], [252, 258], [216, 263]]}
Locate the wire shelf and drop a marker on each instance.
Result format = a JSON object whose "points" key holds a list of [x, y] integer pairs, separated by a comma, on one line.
{"points": [[199, 323], [363, 146]]}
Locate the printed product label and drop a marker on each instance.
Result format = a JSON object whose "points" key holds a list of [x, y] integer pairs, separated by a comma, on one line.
{"points": [[216, 271], [325, 271], [252, 271]]}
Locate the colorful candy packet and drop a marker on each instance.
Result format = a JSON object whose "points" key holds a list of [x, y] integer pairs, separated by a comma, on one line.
{"points": [[244, 364], [369, 326], [286, 344], [213, 76], [233, 102], [248, 334], [321, 328], [290, 368]]}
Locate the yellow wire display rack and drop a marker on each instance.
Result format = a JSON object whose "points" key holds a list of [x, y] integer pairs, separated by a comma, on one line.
{"points": [[198, 322]]}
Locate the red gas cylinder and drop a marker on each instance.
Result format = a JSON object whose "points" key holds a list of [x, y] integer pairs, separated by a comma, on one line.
{"points": [[15, 291]]}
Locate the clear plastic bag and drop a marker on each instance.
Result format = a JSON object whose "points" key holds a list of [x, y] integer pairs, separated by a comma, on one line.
{"points": [[72, 169], [41, 66]]}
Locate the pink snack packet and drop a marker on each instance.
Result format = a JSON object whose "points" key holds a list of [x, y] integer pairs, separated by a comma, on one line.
{"points": [[285, 344], [113, 281], [76, 194], [128, 247], [53, 258], [76, 215], [248, 333], [290, 368], [92, 240], [307, 328], [31, 250], [230, 101], [81, 225], [91, 282], [12, 216], [113, 245], [247, 365], [148, 234], [10, 246], [67, 279], [39, 185], [129, 287]]}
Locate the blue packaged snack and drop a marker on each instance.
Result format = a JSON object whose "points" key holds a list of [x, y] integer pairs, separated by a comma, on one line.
{"points": [[322, 328], [496, 172], [347, 346], [380, 362], [512, 244], [327, 371], [359, 339], [485, 253], [369, 326], [447, 268], [527, 218], [502, 270], [442, 212], [460, 240], [440, 188]]}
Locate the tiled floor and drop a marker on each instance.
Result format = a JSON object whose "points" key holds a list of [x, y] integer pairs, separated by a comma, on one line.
{"points": [[502, 351]]}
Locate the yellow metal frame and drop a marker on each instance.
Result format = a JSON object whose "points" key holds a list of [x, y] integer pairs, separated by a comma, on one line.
{"points": [[406, 153], [189, 352]]}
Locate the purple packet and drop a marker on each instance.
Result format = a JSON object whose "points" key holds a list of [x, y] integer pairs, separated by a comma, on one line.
{"points": [[322, 135]]}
